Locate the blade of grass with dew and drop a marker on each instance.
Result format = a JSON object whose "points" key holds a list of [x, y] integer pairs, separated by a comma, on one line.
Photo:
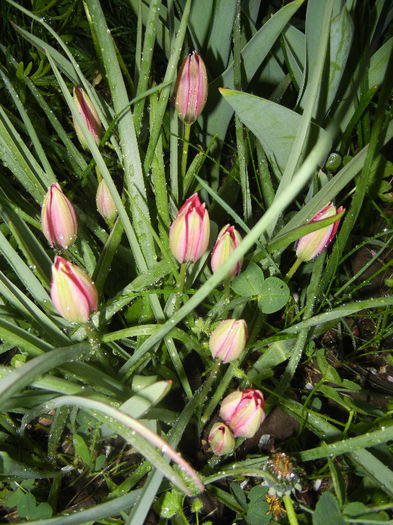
{"points": [[57, 384], [134, 432], [33, 369], [159, 180], [133, 175], [154, 479], [72, 68], [17, 157], [11, 333], [103, 266], [170, 76], [72, 151], [50, 176], [174, 156], [240, 143], [369, 439], [23, 272], [18, 300], [340, 312], [28, 244], [145, 64]]}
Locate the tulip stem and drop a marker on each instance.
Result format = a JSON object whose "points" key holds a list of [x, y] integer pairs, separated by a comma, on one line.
{"points": [[226, 297], [187, 128], [206, 387], [180, 284], [290, 510], [293, 269], [95, 344]]}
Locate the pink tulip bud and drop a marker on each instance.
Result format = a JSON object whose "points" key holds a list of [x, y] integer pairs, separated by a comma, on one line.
{"points": [[311, 245], [89, 115], [190, 231], [191, 88], [243, 412], [227, 241], [105, 203], [228, 340], [58, 219], [73, 293], [221, 439]]}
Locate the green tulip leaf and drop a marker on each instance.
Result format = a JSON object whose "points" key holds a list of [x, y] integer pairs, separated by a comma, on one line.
{"points": [[274, 125], [274, 295]]}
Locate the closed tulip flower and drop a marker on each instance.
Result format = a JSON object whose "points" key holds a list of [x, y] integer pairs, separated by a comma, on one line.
{"points": [[73, 293], [221, 439], [190, 231], [90, 116], [243, 412], [58, 219], [191, 88], [311, 245], [105, 203], [227, 241], [228, 340]]}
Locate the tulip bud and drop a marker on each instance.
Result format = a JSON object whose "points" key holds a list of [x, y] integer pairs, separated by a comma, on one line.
{"points": [[228, 340], [243, 412], [90, 116], [105, 203], [73, 293], [191, 88], [228, 239], [311, 245], [58, 219], [190, 231], [221, 439]]}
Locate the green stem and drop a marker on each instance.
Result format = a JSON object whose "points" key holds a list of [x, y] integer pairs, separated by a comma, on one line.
{"points": [[290, 510], [95, 345], [206, 387], [180, 285], [293, 269], [187, 128], [227, 291]]}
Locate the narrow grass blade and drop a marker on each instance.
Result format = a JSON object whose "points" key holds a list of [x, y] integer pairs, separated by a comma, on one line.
{"points": [[49, 175], [130, 153], [17, 157], [141, 437], [27, 373]]}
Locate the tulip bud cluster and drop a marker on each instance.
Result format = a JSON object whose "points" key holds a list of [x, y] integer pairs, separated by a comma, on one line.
{"points": [[242, 413], [189, 237]]}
